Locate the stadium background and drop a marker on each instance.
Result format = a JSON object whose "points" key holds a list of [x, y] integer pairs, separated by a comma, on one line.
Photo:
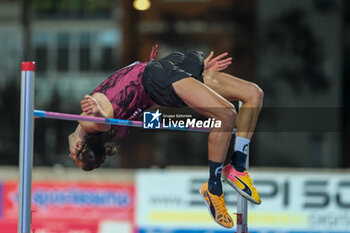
{"points": [[297, 51]]}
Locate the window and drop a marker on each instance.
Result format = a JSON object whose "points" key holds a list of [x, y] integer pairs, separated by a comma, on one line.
{"points": [[41, 41], [107, 40], [76, 51], [74, 9], [63, 52], [84, 51]]}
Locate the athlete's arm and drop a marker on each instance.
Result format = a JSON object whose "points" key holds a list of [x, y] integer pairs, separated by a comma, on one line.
{"points": [[217, 63], [96, 105]]}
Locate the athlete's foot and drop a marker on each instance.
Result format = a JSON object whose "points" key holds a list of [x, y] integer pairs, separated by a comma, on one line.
{"points": [[241, 182], [216, 207]]}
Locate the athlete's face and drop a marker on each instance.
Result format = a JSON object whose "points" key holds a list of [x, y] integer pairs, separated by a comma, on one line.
{"points": [[76, 160], [74, 147]]}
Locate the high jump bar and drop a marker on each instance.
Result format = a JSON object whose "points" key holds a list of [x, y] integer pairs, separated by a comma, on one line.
{"points": [[110, 121]]}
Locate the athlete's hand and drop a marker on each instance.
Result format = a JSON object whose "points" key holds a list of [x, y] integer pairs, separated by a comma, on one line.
{"points": [[90, 106], [217, 63]]}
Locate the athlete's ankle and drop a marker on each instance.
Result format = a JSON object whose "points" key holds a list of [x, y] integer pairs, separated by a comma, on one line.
{"points": [[239, 160], [214, 182], [239, 167], [215, 188], [239, 156]]}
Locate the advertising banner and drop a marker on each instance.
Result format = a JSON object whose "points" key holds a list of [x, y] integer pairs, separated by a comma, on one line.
{"points": [[291, 202], [71, 226], [64, 207], [1, 202]]}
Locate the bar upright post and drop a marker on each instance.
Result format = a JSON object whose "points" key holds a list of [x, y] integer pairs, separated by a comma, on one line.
{"points": [[242, 204], [26, 147]]}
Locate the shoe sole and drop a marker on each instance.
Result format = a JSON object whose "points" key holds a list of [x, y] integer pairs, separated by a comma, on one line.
{"points": [[239, 191], [206, 203]]}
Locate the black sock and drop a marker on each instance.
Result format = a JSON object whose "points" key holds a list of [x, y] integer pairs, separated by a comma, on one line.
{"points": [[238, 160], [214, 183]]}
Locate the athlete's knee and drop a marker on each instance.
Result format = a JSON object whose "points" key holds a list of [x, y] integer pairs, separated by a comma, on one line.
{"points": [[256, 95], [228, 117]]}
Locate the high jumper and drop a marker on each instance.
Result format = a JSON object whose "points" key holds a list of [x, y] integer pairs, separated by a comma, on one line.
{"points": [[177, 80]]}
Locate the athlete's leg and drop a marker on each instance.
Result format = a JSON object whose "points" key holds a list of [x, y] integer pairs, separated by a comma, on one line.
{"points": [[204, 100], [210, 104], [233, 88]]}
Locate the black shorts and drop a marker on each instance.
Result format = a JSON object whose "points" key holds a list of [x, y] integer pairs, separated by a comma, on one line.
{"points": [[159, 75]]}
